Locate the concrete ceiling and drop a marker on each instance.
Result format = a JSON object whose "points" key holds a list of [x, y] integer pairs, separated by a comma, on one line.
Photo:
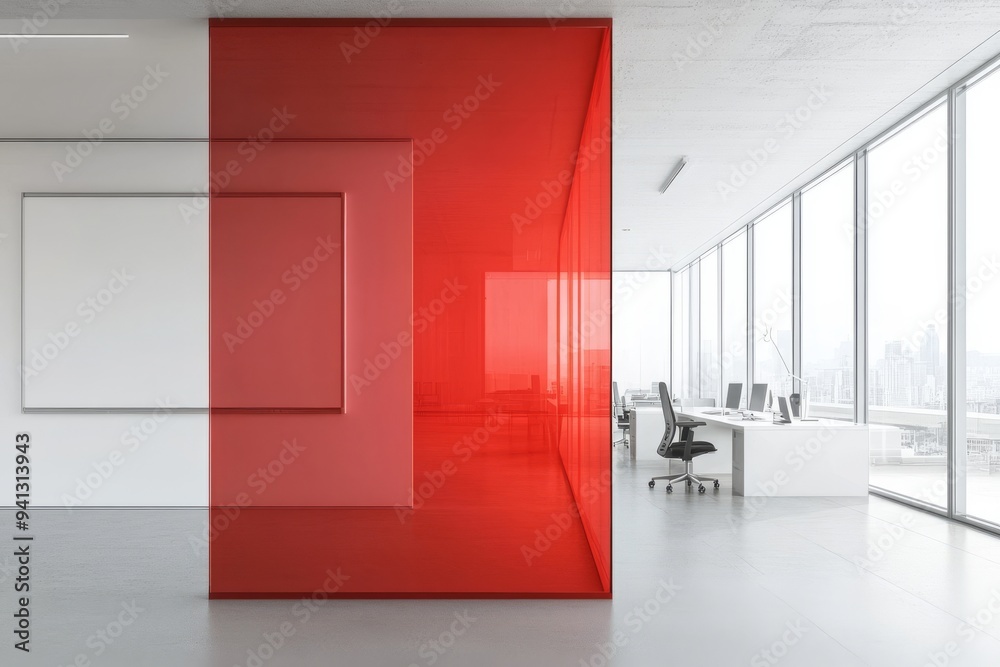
{"points": [[714, 81]]}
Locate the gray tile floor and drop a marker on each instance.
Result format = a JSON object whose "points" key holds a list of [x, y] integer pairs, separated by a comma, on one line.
{"points": [[699, 580]]}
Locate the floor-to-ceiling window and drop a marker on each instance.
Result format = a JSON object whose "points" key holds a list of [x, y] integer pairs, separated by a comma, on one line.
{"points": [[888, 275], [708, 285], [982, 301], [772, 299], [676, 333], [734, 312], [827, 303], [682, 335], [693, 386], [907, 308], [641, 325]]}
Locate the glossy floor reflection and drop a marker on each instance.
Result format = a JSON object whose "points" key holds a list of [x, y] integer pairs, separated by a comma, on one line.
{"points": [[930, 484], [699, 580]]}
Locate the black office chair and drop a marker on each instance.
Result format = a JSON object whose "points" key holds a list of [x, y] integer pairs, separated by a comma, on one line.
{"points": [[621, 416], [685, 449]]}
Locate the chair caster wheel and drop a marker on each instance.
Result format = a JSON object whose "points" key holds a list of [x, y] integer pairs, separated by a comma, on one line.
{"points": [[716, 483], [652, 483], [701, 488], [670, 489]]}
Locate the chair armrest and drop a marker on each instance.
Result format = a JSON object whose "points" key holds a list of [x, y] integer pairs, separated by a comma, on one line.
{"points": [[687, 435]]}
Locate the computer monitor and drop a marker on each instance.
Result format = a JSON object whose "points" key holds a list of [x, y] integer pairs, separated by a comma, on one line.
{"points": [[786, 415], [758, 397], [733, 395]]}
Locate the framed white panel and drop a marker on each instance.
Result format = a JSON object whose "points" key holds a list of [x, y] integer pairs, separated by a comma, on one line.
{"points": [[115, 302]]}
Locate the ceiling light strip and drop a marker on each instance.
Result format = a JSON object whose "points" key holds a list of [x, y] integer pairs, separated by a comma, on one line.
{"points": [[58, 36], [673, 174]]}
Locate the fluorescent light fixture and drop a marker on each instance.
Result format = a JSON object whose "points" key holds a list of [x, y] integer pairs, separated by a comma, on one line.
{"points": [[673, 174], [61, 36]]}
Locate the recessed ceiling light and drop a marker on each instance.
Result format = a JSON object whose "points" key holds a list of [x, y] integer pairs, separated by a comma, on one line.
{"points": [[673, 174], [59, 36]]}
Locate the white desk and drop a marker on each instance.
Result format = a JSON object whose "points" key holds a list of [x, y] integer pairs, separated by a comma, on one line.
{"points": [[822, 458], [646, 430]]}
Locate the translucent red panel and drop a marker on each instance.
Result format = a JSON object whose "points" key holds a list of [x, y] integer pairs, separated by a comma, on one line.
{"points": [[509, 492], [277, 301], [362, 456]]}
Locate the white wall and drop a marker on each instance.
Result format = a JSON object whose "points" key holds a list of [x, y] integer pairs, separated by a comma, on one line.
{"points": [[115, 300], [640, 346], [153, 84], [71, 89]]}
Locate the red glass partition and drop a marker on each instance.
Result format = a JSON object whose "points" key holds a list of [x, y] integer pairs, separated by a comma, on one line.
{"points": [[491, 336]]}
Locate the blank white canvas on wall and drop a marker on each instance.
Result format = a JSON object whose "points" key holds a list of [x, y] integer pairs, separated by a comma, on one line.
{"points": [[115, 302]]}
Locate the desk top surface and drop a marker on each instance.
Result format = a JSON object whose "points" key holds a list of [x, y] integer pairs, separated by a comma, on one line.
{"points": [[737, 422]]}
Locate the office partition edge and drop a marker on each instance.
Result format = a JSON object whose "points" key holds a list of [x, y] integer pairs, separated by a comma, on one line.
{"points": [[861, 287], [719, 349], [750, 323], [797, 290], [693, 388], [957, 442]]}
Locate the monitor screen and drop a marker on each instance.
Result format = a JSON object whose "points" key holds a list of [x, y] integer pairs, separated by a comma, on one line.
{"points": [[733, 395], [758, 396]]}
